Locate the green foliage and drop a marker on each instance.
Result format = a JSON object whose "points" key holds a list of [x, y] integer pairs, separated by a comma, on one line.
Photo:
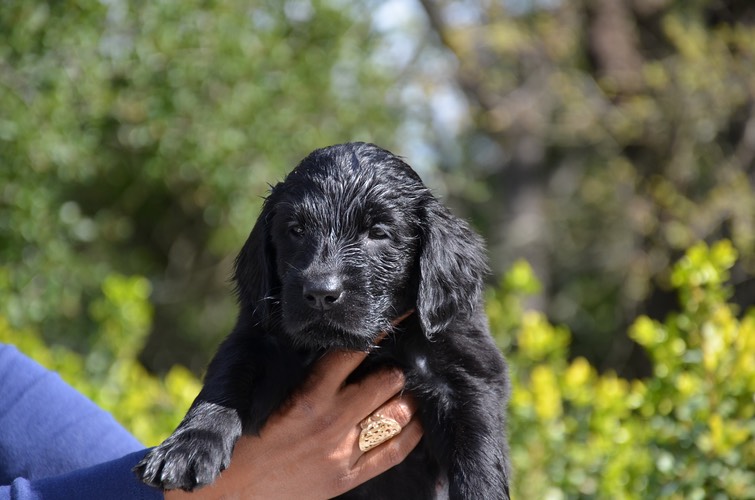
{"points": [[606, 137], [599, 139], [110, 373], [139, 138], [687, 432]]}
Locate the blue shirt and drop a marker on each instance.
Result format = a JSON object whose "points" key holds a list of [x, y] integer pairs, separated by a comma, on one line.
{"points": [[56, 444]]}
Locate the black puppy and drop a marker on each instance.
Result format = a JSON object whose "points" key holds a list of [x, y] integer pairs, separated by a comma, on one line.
{"points": [[349, 241]]}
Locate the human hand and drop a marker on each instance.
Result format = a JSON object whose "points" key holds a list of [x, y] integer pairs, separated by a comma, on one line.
{"points": [[309, 448]]}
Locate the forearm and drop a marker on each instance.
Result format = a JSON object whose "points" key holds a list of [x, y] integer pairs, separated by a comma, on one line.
{"points": [[49, 429], [55, 443], [113, 480]]}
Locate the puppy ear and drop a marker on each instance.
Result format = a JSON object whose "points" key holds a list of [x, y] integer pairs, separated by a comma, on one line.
{"points": [[452, 264], [254, 270]]}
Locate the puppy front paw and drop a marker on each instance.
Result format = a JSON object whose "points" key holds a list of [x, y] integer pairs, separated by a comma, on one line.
{"points": [[189, 459]]}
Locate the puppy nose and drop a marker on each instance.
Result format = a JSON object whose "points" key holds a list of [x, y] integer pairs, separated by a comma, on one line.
{"points": [[323, 293]]}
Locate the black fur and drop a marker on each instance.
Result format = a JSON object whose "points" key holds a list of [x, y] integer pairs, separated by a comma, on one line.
{"points": [[349, 241]]}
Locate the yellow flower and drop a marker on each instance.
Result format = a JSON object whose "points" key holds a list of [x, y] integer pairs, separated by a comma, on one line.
{"points": [[546, 394]]}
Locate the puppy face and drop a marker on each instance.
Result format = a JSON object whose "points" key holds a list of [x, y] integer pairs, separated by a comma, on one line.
{"points": [[350, 240], [345, 237]]}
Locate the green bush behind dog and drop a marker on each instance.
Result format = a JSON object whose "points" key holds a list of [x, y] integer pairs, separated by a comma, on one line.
{"points": [[688, 432]]}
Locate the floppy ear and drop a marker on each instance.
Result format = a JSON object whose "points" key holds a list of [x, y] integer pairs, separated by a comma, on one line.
{"points": [[452, 265], [254, 270]]}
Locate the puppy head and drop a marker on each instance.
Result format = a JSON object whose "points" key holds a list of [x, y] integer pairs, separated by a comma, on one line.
{"points": [[350, 240]]}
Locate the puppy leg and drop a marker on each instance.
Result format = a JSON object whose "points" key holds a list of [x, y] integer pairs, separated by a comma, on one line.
{"points": [[197, 451], [200, 448], [464, 429], [479, 466]]}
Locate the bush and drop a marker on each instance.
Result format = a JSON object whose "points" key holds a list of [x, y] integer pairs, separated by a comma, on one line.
{"points": [[685, 433], [109, 374], [139, 138], [688, 432]]}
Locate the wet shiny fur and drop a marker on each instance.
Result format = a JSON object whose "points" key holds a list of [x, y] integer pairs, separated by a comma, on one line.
{"points": [[349, 241]]}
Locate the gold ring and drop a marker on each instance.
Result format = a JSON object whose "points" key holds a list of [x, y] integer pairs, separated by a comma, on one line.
{"points": [[377, 429]]}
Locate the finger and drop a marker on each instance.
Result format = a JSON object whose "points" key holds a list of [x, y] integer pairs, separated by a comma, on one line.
{"points": [[334, 368], [400, 408], [360, 399], [388, 454], [401, 318], [394, 323]]}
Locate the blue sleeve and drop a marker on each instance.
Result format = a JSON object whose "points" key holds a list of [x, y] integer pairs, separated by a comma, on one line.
{"points": [[56, 443], [111, 480]]}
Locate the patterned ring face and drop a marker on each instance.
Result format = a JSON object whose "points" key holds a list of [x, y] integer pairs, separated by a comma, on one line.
{"points": [[377, 429]]}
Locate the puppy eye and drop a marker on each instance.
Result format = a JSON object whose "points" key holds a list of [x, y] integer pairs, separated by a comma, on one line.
{"points": [[378, 232], [296, 230]]}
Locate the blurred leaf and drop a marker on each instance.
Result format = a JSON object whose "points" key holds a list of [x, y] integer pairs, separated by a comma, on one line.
{"points": [[687, 432]]}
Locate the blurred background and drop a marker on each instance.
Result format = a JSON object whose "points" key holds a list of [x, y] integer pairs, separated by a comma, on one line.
{"points": [[594, 143]]}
